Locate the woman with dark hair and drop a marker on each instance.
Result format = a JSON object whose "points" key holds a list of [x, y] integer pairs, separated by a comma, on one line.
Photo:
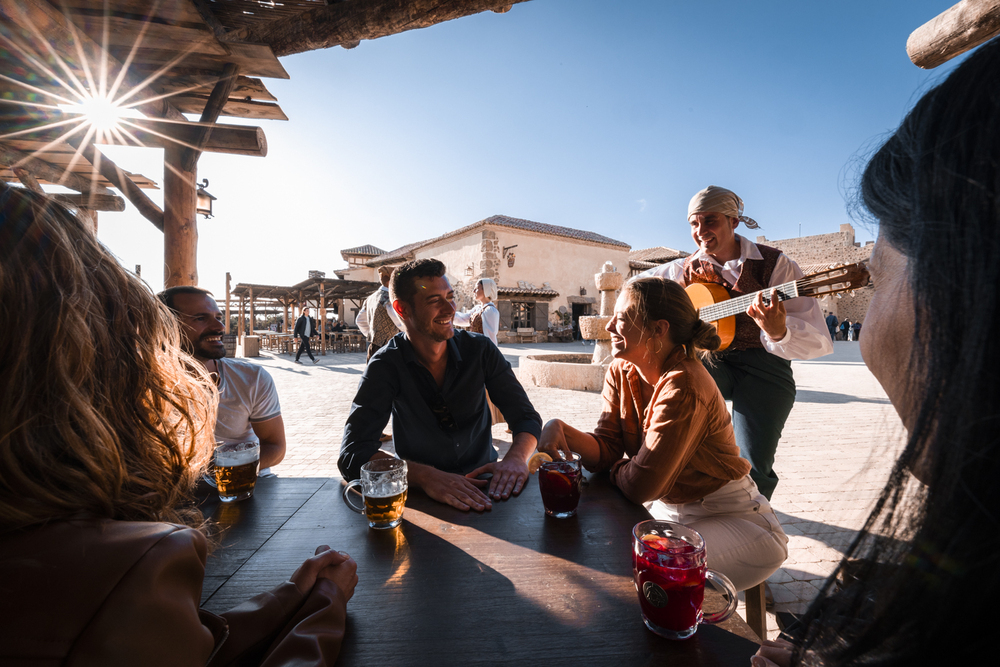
{"points": [[105, 426], [918, 584], [663, 411]]}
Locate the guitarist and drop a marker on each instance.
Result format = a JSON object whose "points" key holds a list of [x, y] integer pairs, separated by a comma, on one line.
{"points": [[755, 372]]}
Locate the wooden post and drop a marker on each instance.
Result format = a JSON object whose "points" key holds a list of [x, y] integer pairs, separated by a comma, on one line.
{"points": [[239, 325], [180, 228], [253, 321], [954, 31], [284, 325], [227, 302], [322, 319]]}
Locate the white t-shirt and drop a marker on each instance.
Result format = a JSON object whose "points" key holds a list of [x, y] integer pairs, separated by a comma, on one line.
{"points": [[246, 395]]}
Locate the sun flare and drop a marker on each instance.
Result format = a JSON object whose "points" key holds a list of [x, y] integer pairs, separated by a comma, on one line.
{"points": [[101, 113]]}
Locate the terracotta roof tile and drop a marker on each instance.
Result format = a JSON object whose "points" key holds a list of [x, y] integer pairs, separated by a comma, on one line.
{"points": [[368, 250], [657, 255]]}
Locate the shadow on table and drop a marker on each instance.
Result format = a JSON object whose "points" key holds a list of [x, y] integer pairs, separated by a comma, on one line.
{"points": [[449, 588]]}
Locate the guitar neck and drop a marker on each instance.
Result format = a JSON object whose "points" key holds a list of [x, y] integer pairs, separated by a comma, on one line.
{"points": [[738, 305]]}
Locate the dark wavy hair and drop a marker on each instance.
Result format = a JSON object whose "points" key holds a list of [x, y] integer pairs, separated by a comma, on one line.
{"points": [[918, 585], [101, 414], [402, 284]]}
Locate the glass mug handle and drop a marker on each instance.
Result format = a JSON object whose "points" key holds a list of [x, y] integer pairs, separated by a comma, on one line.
{"points": [[721, 581], [361, 509]]}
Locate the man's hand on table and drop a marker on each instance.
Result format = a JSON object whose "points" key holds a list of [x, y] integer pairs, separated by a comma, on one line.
{"points": [[509, 476], [445, 487], [336, 566]]}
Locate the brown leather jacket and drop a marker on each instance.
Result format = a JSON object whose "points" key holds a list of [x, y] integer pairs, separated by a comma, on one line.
{"points": [[113, 593]]}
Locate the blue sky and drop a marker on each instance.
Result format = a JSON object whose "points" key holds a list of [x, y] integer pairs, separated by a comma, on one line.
{"points": [[601, 116]]}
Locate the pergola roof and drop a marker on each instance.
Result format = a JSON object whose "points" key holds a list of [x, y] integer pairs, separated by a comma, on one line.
{"points": [[166, 59], [309, 290]]}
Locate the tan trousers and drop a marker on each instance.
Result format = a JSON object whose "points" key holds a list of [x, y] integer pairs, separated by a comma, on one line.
{"points": [[743, 539]]}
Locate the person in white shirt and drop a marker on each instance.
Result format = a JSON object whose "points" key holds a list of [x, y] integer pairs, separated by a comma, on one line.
{"points": [[484, 319], [377, 320], [755, 372], [249, 410]]}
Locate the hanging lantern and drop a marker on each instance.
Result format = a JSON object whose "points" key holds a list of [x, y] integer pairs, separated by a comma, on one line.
{"points": [[205, 200]]}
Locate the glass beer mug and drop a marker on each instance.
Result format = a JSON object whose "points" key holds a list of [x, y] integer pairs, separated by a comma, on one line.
{"points": [[383, 488], [668, 563], [235, 470]]}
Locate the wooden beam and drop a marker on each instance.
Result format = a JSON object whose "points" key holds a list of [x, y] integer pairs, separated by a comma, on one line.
{"points": [[148, 132], [39, 18], [112, 203], [109, 170], [217, 100], [203, 9], [247, 88], [235, 107], [954, 31], [180, 225], [227, 301], [347, 23], [27, 180], [14, 158]]}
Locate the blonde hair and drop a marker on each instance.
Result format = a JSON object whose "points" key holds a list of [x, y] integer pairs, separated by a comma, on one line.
{"points": [[654, 298], [101, 414]]}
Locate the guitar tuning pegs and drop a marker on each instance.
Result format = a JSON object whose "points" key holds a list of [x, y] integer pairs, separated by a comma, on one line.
{"points": [[840, 296], [853, 293]]}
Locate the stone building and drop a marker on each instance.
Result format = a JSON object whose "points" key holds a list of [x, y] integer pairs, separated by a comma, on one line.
{"points": [[539, 269], [821, 251], [357, 263]]}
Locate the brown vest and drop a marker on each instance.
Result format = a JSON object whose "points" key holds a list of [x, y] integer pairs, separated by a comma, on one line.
{"points": [[754, 276], [476, 321]]}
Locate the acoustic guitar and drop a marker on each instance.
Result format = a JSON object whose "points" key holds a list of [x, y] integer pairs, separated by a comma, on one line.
{"points": [[716, 306]]}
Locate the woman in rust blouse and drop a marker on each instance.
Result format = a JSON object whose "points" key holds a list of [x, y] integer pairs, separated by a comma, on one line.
{"points": [[665, 415]]}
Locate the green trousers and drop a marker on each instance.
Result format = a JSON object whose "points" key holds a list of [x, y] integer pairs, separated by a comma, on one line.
{"points": [[762, 390]]}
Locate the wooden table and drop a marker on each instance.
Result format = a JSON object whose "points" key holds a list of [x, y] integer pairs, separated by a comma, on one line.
{"points": [[448, 587]]}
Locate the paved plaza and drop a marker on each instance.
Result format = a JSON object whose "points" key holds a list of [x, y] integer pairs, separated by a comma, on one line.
{"points": [[834, 457]]}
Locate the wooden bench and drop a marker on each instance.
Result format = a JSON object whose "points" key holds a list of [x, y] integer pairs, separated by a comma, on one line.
{"points": [[525, 335]]}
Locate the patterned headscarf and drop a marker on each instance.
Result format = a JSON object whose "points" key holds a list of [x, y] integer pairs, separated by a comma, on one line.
{"points": [[720, 200]]}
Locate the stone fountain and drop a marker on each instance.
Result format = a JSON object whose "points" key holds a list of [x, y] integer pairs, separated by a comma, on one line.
{"points": [[580, 371]]}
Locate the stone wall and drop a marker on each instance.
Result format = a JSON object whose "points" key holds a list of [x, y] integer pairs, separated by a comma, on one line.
{"points": [[831, 249]]}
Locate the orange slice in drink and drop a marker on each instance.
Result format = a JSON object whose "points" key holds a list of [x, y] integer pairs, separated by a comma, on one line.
{"points": [[536, 461]]}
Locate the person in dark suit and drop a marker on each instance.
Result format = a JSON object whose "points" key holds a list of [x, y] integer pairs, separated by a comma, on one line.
{"points": [[305, 327]]}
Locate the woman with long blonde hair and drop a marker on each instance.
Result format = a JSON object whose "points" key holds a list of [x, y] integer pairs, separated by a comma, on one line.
{"points": [[105, 426]]}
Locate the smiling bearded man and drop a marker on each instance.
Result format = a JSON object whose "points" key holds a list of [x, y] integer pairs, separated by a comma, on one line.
{"points": [[249, 410], [433, 381], [755, 371]]}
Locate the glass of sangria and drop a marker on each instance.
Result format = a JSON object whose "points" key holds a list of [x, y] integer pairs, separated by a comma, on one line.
{"points": [[559, 482], [668, 565]]}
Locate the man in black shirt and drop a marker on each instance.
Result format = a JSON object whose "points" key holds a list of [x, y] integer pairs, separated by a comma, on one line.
{"points": [[432, 380]]}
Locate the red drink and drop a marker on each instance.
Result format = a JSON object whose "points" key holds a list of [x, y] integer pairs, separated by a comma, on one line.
{"points": [[559, 482], [670, 579]]}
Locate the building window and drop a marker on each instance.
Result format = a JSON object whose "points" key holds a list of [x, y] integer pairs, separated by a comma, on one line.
{"points": [[522, 315]]}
